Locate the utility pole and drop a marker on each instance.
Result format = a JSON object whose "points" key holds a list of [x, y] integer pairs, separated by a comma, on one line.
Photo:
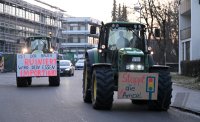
{"points": [[164, 39]]}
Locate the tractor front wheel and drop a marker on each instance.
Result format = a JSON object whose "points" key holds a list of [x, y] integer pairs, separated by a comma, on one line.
{"points": [[102, 88], [86, 83], [164, 90]]}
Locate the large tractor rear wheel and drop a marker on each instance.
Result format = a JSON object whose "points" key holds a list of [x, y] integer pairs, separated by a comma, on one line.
{"points": [[102, 88], [29, 80], [54, 80], [86, 82], [164, 90], [22, 81]]}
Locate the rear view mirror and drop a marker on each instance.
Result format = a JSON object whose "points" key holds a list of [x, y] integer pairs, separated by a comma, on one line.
{"points": [[157, 32], [93, 30]]}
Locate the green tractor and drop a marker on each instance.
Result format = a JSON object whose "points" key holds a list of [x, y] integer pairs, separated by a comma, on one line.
{"points": [[123, 63], [37, 59]]}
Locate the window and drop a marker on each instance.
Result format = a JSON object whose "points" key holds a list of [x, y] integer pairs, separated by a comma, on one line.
{"points": [[71, 28], [121, 37], [70, 40], [187, 49], [79, 39], [182, 51], [1, 7]]}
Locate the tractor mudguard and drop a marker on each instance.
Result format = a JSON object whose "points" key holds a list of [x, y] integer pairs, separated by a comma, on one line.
{"points": [[92, 55], [101, 65]]}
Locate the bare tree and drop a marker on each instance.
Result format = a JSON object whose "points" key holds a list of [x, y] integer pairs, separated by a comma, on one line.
{"points": [[165, 17]]}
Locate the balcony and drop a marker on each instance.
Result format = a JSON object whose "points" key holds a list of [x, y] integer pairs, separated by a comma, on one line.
{"points": [[185, 7], [76, 32], [185, 33]]}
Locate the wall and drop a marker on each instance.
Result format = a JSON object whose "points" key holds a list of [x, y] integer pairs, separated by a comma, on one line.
{"points": [[195, 30]]}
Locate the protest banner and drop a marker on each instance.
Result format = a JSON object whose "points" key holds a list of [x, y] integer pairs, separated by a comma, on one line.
{"points": [[30, 65]]}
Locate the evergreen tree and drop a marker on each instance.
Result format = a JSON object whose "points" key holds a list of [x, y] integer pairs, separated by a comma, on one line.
{"points": [[124, 13], [119, 18], [114, 11]]}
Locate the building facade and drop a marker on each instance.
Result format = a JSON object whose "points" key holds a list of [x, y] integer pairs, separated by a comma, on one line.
{"points": [[20, 19], [189, 36], [76, 32]]}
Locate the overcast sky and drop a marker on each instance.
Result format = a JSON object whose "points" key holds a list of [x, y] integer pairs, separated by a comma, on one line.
{"points": [[98, 9]]}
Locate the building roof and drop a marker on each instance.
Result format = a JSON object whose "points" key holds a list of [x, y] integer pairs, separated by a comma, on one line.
{"points": [[81, 19]]}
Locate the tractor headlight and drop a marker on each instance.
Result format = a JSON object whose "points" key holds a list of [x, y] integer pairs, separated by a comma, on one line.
{"points": [[51, 50], [134, 67], [24, 50]]}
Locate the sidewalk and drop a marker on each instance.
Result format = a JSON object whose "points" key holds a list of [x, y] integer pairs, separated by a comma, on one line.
{"points": [[186, 94]]}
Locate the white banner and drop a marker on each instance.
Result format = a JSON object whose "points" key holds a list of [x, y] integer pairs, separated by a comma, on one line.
{"points": [[143, 86], [30, 65]]}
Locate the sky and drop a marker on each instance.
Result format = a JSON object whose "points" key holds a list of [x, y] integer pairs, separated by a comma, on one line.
{"points": [[97, 9]]}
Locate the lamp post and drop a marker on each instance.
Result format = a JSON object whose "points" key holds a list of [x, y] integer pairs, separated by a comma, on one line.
{"points": [[138, 7]]}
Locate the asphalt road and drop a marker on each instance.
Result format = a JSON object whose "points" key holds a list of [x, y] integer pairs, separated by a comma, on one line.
{"points": [[42, 103]]}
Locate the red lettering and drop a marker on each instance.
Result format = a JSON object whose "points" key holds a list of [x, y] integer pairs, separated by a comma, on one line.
{"points": [[38, 73], [127, 77], [31, 61], [26, 62], [121, 92], [51, 61], [20, 74], [124, 77], [39, 62], [26, 73], [55, 61]]}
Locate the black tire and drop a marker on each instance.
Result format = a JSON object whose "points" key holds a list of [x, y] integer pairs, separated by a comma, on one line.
{"points": [[102, 88], [87, 82], [22, 81], [164, 90], [54, 80], [29, 80]]}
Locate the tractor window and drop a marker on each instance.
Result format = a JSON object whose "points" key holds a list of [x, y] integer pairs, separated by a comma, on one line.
{"points": [[39, 44], [124, 37]]}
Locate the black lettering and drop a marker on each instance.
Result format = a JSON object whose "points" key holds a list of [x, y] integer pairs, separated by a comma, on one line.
{"points": [[32, 55], [23, 67], [130, 88]]}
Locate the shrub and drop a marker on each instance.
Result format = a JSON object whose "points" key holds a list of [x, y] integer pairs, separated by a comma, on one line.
{"points": [[190, 68]]}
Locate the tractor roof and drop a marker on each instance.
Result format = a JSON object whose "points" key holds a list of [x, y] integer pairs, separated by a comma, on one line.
{"points": [[125, 24]]}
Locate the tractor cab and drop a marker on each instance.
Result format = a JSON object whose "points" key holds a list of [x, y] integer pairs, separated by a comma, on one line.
{"points": [[123, 36], [37, 45], [123, 45]]}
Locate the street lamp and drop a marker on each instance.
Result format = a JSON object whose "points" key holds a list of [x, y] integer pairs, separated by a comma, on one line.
{"points": [[137, 7]]}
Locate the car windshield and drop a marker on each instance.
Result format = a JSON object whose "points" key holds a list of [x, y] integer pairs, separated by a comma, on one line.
{"points": [[80, 61], [122, 37], [64, 63]]}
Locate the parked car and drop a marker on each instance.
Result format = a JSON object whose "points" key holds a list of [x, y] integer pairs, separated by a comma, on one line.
{"points": [[66, 68], [79, 64]]}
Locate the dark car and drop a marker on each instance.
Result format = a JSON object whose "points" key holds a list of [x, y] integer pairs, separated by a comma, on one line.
{"points": [[66, 68]]}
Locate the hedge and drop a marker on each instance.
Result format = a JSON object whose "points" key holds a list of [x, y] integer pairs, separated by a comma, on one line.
{"points": [[190, 68]]}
